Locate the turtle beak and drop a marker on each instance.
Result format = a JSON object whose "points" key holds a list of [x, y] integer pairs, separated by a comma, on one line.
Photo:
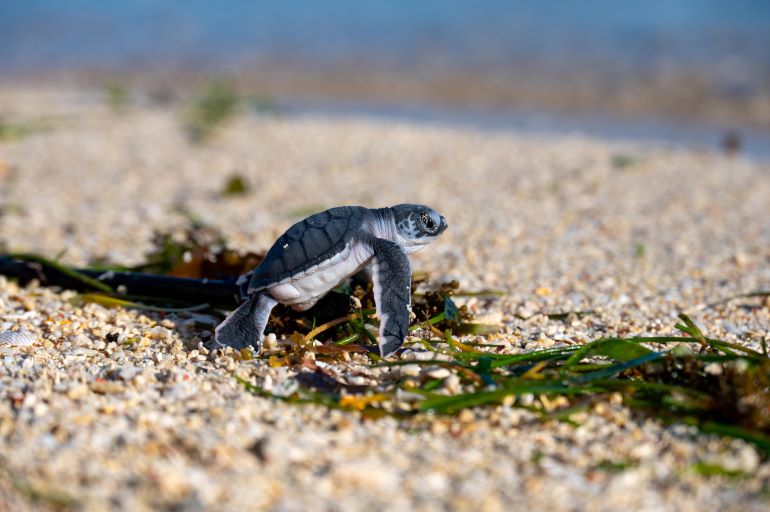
{"points": [[443, 225]]}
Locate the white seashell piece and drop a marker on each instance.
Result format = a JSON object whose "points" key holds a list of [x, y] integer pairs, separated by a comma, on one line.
{"points": [[20, 338]]}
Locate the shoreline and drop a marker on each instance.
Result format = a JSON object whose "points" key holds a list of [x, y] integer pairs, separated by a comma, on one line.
{"points": [[655, 131]]}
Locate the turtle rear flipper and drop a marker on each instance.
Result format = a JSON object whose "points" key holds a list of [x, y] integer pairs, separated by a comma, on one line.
{"points": [[392, 279], [246, 325]]}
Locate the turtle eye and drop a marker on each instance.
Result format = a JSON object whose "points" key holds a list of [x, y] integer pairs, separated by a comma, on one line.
{"points": [[430, 224]]}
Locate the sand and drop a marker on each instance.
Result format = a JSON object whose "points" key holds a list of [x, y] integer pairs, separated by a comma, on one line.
{"points": [[635, 232]]}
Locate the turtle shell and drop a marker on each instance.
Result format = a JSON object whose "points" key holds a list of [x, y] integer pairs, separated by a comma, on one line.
{"points": [[308, 243]]}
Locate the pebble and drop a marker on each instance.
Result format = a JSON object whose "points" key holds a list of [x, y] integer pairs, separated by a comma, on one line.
{"points": [[410, 370], [270, 341], [438, 373]]}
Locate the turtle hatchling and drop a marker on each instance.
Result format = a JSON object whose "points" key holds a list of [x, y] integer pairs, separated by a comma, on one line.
{"points": [[319, 252]]}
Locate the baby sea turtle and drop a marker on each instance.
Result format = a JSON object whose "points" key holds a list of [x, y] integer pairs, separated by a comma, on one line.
{"points": [[318, 253]]}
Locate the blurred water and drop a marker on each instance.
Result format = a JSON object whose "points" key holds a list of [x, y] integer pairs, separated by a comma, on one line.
{"points": [[654, 133], [148, 34], [702, 62]]}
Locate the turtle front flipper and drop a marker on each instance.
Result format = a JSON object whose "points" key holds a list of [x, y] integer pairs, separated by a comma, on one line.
{"points": [[246, 325], [392, 279]]}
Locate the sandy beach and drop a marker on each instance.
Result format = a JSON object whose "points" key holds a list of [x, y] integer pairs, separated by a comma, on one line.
{"points": [[633, 232]]}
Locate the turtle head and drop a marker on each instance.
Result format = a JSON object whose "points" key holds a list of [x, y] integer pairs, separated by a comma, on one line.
{"points": [[417, 225]]}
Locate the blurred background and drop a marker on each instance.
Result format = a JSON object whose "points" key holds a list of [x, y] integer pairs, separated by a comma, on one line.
{"points": [[682, 71]]}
